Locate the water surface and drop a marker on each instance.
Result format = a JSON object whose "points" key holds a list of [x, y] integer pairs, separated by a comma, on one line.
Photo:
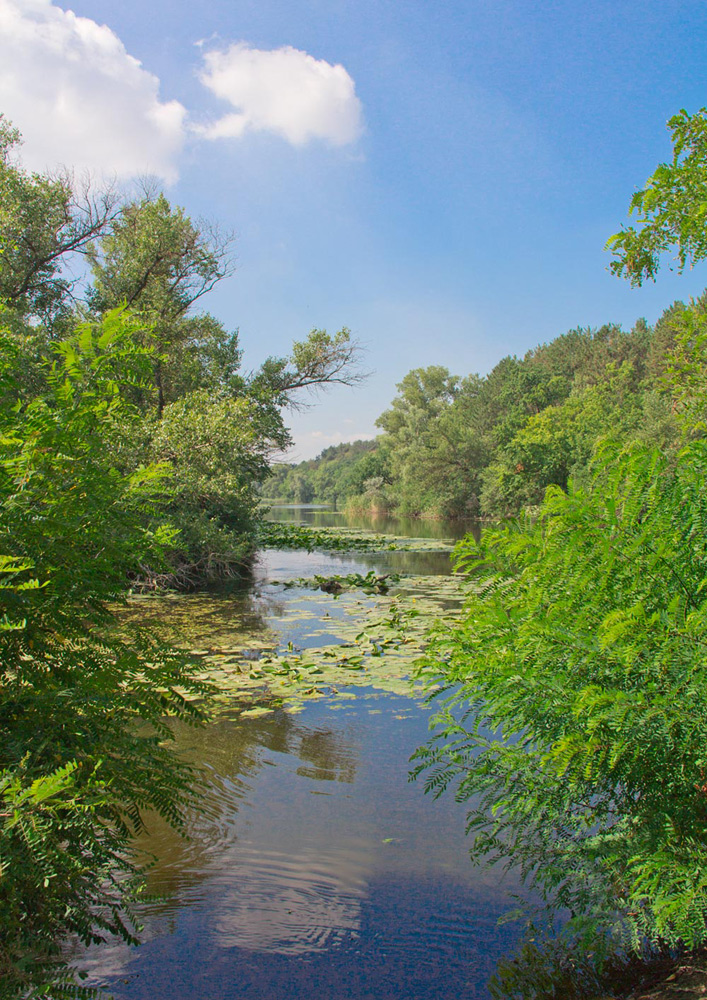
{"points": [[317, 869]]}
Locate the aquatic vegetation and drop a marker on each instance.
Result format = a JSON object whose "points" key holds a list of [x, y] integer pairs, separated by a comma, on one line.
{"points": [[279, 535], [371, 583], [325, 644]]}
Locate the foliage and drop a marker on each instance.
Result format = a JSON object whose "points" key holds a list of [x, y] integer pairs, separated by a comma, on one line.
{"points": [[548, 966], [580, 666], [574, 720], [84, 702], [337, 474], [558, 442], [157, 262], [411, 435], [320, 360], [468, 447], [215, 426], [217, 454], [670, 209], [42, 220]]}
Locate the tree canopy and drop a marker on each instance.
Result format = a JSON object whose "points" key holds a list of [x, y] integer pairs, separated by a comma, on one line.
{"points": [[489, 446], [671, 208], [44, 219], [151, 259]]}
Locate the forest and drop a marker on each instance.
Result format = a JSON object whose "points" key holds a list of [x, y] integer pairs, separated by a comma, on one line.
{"points": [[135, 450], [488, 447]]}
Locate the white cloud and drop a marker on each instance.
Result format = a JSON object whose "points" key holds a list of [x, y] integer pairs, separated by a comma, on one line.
{"points": [[285, 91], [79, 98]]}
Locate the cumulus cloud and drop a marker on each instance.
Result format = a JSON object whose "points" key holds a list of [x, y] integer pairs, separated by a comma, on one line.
{"points": [[284, 91], [79, 98]]}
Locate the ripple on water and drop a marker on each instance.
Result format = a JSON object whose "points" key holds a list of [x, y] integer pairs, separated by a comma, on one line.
{"points": [[284, 893], [315, 870], [291, 903]]}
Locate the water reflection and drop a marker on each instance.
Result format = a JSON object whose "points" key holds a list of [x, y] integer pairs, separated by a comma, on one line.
{"points": [[230, 753], [290, 903], [324, 761], [316, 870], [273, 882], [283, 565], [321, 516]]}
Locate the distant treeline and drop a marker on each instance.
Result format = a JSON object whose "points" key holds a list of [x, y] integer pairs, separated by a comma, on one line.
{"points": [[473, 446]]}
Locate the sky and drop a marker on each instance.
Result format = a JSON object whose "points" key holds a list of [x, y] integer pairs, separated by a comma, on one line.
{"points": [[438, 177]]}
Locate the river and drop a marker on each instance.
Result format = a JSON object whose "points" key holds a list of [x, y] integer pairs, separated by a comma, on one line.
{"points": [[316, 868]]}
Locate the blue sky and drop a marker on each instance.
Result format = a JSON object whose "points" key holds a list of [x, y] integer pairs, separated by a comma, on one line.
{"points": [[444, 188]]}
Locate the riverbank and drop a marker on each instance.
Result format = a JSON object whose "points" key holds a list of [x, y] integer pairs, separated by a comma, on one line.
{"points": [[317, 856], [678, 979]]}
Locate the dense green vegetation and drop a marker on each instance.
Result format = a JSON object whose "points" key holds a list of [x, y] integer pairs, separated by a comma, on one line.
{"points": [[583, 652], [84, 703], [574, 722], [132, 447], [214, 425], [340, 472], [488, 447]]}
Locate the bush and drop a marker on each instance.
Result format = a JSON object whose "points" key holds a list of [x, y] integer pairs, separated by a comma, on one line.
{"points": [[84, 700], [576, 725]]}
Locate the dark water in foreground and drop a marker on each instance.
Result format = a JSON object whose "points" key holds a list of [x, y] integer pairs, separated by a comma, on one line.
{"points": [[318, 870]]}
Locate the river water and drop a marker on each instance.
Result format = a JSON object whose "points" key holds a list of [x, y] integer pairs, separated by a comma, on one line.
{"points": [[316, 869]]}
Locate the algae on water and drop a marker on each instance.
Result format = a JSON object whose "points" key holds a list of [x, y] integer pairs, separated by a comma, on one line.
{"points": [[284, 643]]}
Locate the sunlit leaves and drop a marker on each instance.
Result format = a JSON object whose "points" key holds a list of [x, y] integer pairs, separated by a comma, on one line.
{"points": [[579, 670], [671, 210]]}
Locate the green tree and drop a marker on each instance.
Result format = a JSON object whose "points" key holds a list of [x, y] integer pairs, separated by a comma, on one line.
{"points": [[335, 476], [373, 460], [84, 700], [157, 262], [409, 433], [558, 442], [670, 209], [320, 360], [579, 667], [43, 220], [576, 726], [422, 395], [151, 258]]}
